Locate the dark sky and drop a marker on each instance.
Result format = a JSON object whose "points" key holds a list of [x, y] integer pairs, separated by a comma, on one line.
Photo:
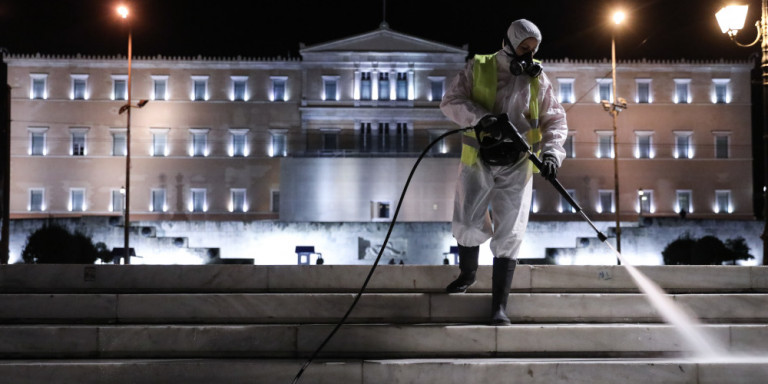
{"points": [[578, 29]]}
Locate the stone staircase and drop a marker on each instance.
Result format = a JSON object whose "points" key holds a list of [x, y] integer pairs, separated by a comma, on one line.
{"points": [[258, 324]]}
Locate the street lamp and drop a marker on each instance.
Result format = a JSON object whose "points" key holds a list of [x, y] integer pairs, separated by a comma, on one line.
{"points": [[123, 12], [613, 108], [731, 19]]}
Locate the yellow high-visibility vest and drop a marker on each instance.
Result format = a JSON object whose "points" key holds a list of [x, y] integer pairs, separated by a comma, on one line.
{"points": [[484, 84]]}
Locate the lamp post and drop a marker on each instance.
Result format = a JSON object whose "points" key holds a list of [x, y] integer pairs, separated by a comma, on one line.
{"points": [[614, 107], [731, 19], [123, 12]]}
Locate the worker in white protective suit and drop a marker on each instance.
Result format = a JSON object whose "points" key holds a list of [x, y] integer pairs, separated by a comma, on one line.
{"points": [[508, 84]]}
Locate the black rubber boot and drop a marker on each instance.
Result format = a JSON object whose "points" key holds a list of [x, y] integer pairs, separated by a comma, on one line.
{"points": [[468, 266], [503, 270]]}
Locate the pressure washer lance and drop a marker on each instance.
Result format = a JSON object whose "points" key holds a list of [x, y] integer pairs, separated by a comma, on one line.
{"points": [[510, 134]]}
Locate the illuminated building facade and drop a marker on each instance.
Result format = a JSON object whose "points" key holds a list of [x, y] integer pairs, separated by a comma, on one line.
{"points": [[331, 137]]}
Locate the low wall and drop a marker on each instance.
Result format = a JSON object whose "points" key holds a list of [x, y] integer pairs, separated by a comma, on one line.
{"points": [[274, 242]]}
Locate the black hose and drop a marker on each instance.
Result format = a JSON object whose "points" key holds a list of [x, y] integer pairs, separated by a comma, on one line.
{"points": [[381, 252]]}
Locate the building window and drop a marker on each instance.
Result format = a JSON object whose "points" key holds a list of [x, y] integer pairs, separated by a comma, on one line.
{"points": [[683, 147], [238, 200], [238, 144], [119, 87], [720, 92], [683, 201], [402, 138], [384, 86], [605, 145], [199, 142], [78, 141], [682, 91], [160, 87], [38, 87], [604, 90], [568, 146], [722, 141], [278, 88], [644, 201], [79, 85], [158, 200], [566, 90], [77, 200], [365, 137], [437, 87], [723, 201], [275, 201], [199, 88], [36, 200], [644, 145], [278, 147], [239, 88], [565, 206], [330, 140], [159, 142], [385, 143], [381, 210], [605, 201], [330, 88], [37, 143], [402, 86], [365, 86], [119, 147], [643, 95], [198, 203], [117, 200]]}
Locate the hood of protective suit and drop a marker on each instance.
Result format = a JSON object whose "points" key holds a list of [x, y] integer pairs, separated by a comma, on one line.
{"points": [[520, 30]]}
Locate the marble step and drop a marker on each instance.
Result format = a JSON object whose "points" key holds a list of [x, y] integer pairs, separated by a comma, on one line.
{"points": [[367, 341], [443, 371], [274, 308], [349, 278]]}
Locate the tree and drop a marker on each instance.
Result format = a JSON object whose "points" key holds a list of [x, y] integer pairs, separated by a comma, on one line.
{"points": [[54, 244], [738, 250]]}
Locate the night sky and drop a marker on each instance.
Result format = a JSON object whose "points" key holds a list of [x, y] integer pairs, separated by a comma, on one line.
{"points": [[578, 29]]}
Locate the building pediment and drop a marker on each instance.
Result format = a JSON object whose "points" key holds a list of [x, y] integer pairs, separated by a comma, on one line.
{"points": [[382, 40]]}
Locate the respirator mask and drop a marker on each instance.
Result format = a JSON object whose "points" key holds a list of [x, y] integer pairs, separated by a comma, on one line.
{"points": [[522, 64]]}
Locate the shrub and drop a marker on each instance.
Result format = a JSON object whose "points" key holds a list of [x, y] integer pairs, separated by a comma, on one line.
{"points": [[708, 250], [680, 251], [54, 244]]}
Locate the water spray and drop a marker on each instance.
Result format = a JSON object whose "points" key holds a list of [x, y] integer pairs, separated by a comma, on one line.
{"points": [[685, 322]]}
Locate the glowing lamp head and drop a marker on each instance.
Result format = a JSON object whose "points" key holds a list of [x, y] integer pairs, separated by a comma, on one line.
{"points": [[731, 18], [618, 17], [123, 11]]}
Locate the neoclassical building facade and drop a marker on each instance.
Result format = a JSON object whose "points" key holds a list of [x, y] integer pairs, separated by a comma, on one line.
{"points": [[332, 135]]}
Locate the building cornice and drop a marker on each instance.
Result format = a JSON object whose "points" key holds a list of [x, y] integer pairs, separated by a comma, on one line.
{"points": [[343, 59], [649, 61], [121, 58]]}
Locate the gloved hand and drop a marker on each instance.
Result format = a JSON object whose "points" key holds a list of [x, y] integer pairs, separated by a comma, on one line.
{"points": [[488, 127], [549, 167]]}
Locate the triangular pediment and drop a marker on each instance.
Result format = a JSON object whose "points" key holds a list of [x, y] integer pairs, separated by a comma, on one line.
{"points": [[382, 40]]}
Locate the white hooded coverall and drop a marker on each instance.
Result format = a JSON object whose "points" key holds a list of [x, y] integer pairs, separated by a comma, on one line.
{"points": [[505, 189]]}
